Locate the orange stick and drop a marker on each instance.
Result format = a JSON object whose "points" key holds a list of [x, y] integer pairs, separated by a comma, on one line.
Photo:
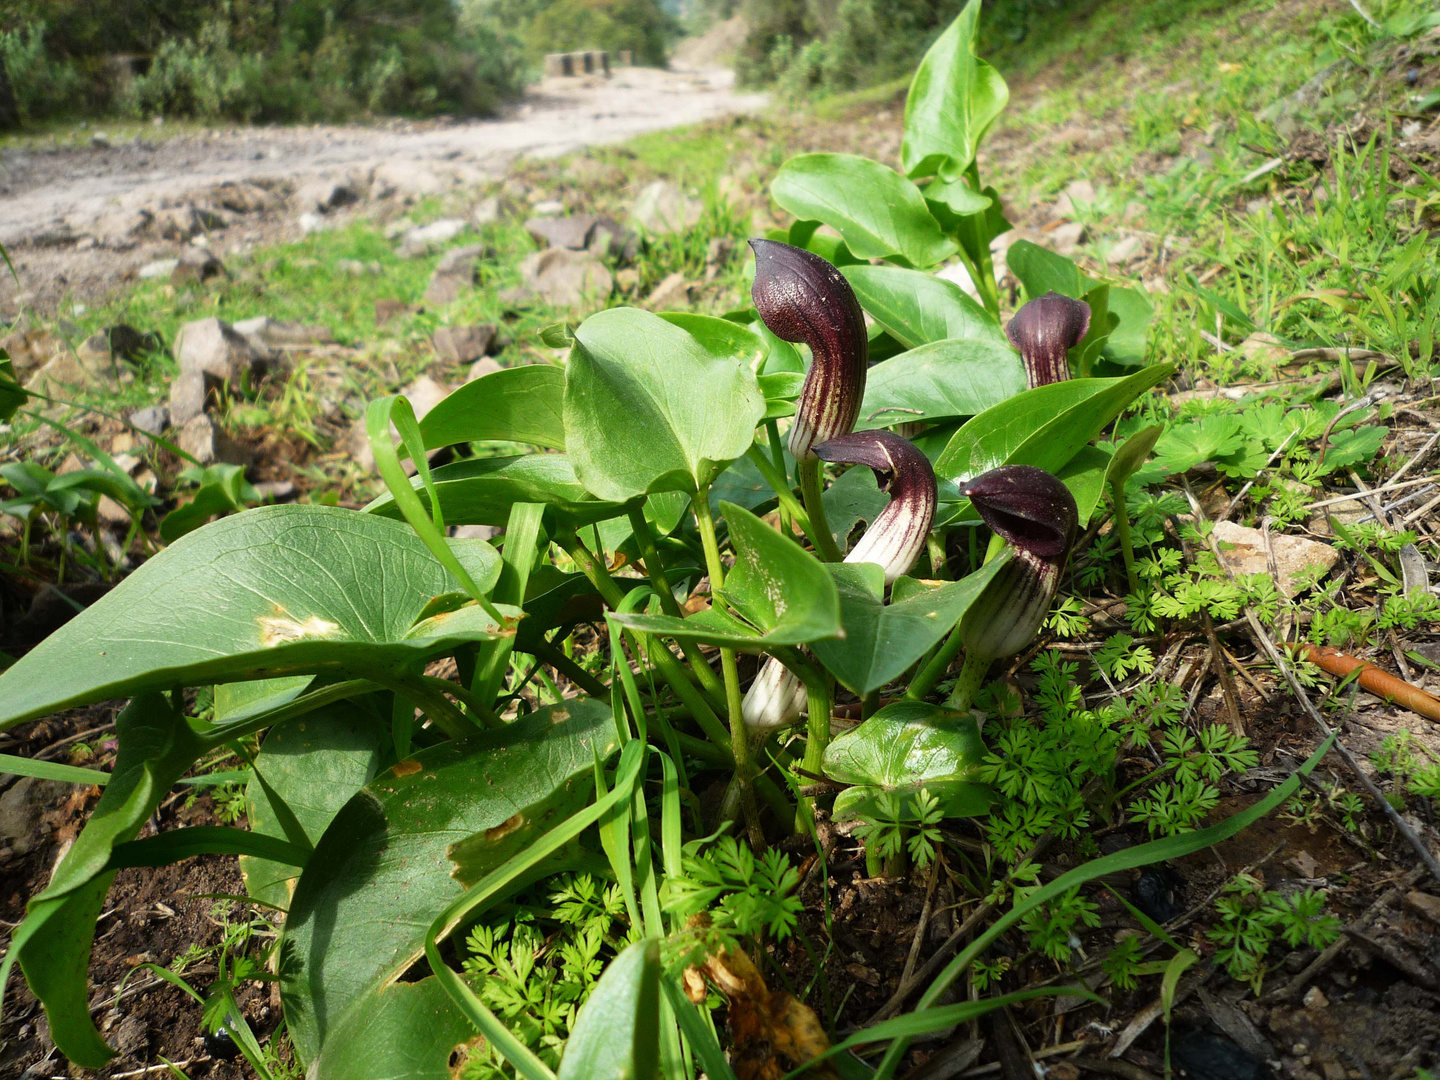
{"points": [[1374, 680]]}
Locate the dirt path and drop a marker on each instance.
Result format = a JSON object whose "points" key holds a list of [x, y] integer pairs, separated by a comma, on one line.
{"points": [[65, 211]]}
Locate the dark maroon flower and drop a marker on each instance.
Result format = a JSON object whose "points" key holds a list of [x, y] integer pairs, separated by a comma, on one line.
{"points": [[1045, 330], [897, 535]]}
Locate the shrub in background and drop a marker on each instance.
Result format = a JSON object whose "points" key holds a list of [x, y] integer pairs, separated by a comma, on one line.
{"points": [[41, 86]]}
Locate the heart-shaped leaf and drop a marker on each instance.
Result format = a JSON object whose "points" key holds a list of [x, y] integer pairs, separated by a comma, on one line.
{"points": [[919, 308], [782, 594], [953, 99], [521, 404], [958, 377], [722, 337], [408, 844], [617, 1033], [882, 640], [481, 491], [282, 590], [878, 212], [411, 1031], [649, 407], [906, 746]]}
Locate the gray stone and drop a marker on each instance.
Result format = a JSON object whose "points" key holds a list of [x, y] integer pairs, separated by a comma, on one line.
{"points": [[406, 177], [1079, 195], [475, 532], [158, 269], [674, 291], [482, 367], [195, 264], [266, 333], [183, 222], [62, 372], [454, 274], [568, 232], [486, 211], [276, 490], [566, 278], [132, 1039], [1066, 239], [121, 228], [243, 198], [549, 207], [217, 347], [356, 268], [663, 208], [22, 809], [191, 394], [209, 445], [152, 420], [322, 196], [310, 222], [462, 344], [388, 309], [462, 260], [426, 238]]}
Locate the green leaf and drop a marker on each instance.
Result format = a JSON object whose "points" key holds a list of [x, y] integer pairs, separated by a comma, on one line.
{"points": [[210, 501], [520, 404], [411, 1031], [953, 99], [1085, 476], [783, 594], [172, 846], [313, 764], [616, 1034], [408, 844], [941, 379], [648, 406], [1210, 438], [1044, 427], [1041, 271], [1128, 338], [882, 640], [11, 394], [853, 498], [49, 770], [156, 748], [918, 308], [721, 337], [481, 491], [277, 590], [906, 746], [878, 212], [1131, 454]]}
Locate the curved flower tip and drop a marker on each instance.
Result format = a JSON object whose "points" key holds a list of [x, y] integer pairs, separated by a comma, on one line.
{"points": [[802, 298], [897, 535], [1028, 507], [1044, 331]]}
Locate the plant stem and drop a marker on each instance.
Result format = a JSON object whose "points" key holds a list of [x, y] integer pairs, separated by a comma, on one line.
{"points": [[985, 282], [655, 568], [1122, 530], [972, 675], [571, 670], [447, 717], [776, 479], [817, 693], [810, 490], [739, 737], [934, 670], [777, 460], [591, 568]]}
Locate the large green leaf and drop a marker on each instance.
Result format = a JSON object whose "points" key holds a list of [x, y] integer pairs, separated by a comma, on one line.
{"points": [[882, 640], [879, 213], [312, 765], [953, 99], [906, 746], [409, 843], [481, 491], [1040, 271], [156, 747], [918, 308], [282, 590], [649, 407], [722, 337], [617, 1034], [1044, 427], [12, 396], [1129, 335], [782, 593], [959, 377], [520, 404], [1125, 326], [410, 1031]]}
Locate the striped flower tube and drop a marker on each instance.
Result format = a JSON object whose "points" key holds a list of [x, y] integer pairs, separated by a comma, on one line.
{"points": [[1045, 330]]}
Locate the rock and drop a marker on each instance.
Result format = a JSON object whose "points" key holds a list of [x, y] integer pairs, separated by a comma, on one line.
{"points": [[566, 278], [128, 344], [627, 281], [1078, 195], [61, 372], [310, 222], [1315, 999], [275, 490], [462, 344], [1243, 551], [611, 239], [517, 296], [209, 445], [158, 269], [112, 513], [486, 211], [22, 808], [718, 251], [56, 234], [482, 367], [243, 198], [195, 264], [153, 419], [322, 196], [407, 178], [132, 1039], [674, 291], [1204, 1056], [387, 310], [1125, 250], [1424, 904], [183, 222], [121, 228], [475, 532], [265, 333], [549, 207], [356, 268], [568, 232], [1067, 238], [218, 348], [455, 273], [191, 394], [426, 238], [663, 208], [1157, 893]]}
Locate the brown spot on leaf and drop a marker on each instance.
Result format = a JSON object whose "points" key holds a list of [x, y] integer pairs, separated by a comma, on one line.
{"points": [[505, 828], [406, 767]]}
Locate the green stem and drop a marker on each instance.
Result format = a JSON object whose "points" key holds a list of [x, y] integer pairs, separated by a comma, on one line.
{"points": [[1122, 530], [655, 568], [811, 490], [776, 479], [739, 737], [446, 716], [486, 714], [571, 670], [972, 675], [934, 670], [777, 461], [307, 703], [817, 693], [985, 281], [591, 568]]}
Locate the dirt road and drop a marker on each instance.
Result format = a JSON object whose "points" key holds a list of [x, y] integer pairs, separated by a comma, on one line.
{"points": [[63, 206]]}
